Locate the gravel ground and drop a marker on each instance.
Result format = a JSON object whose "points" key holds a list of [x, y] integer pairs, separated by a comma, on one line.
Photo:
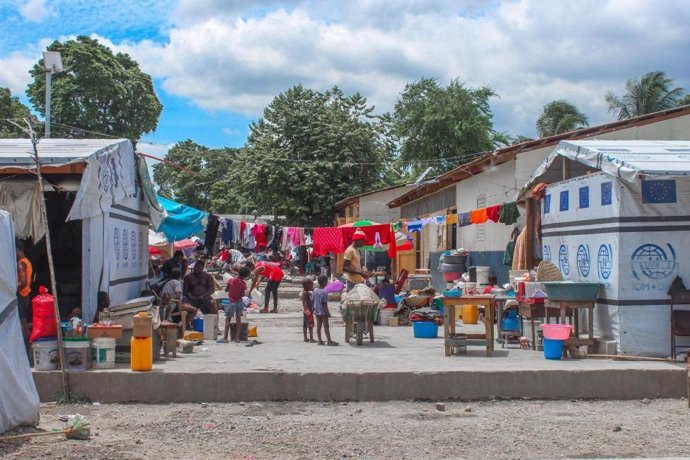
{"points": [[486, 430]]}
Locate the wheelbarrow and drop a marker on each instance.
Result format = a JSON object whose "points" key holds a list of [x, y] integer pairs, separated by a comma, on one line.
{"points": [[359, 317]]}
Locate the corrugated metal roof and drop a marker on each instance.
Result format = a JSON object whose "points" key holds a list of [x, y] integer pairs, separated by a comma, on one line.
{"points": [[505, 154], [18, 152]]}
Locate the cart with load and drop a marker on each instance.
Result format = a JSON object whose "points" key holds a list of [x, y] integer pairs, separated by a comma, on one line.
{"points": [[359, 309]]}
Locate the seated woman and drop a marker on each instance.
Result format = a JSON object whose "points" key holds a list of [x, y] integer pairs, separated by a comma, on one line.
{"points": [[172, 291]]}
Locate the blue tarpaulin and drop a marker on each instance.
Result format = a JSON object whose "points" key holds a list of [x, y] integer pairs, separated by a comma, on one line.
{"points": [[182, 221]]}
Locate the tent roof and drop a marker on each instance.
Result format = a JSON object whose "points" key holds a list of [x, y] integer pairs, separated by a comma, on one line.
{"points": [[18, 152], [627, 160]]}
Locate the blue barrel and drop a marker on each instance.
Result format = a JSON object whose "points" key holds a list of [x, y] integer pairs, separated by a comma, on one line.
{"points": [[553, 349]]}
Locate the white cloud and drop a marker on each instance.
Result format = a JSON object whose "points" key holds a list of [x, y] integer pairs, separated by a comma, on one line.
{"points": [[237, 58], [36, 10]]}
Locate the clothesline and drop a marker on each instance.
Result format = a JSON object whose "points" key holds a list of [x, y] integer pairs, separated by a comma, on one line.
{"points": [[325, 240]]}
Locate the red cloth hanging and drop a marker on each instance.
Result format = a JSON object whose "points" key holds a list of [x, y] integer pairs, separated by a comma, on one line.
{"points": [[259, 234], [328, 239], [492, 212]]}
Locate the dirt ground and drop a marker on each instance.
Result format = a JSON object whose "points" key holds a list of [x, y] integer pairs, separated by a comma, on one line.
{"points": [[411, 430]]}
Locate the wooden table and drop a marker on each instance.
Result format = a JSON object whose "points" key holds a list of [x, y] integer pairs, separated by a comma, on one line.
{"points": [[449, 305], [571, 308], [530, 309]]}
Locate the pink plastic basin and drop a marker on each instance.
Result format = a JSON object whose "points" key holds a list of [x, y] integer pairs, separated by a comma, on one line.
{"points": [[451, 276], [556, 331]]}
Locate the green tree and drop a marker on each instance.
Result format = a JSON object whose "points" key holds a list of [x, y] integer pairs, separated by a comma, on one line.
{"points": [[310, 150], [651, 93], [684, 101], [442, 127], [98, 91], [199, 172], [559, 117], [11, 109]]}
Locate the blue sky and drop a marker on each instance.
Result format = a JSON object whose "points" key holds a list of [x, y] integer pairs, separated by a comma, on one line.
{"points": [[217, 63]]}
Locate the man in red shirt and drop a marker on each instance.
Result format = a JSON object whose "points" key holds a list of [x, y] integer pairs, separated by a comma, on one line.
{"points": [[236, 288], [274, 274]]}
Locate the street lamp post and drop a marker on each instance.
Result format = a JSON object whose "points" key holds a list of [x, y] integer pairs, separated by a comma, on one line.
{"points": [[52, 63]]}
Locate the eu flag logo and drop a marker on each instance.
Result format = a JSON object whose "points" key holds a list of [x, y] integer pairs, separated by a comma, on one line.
{"points": [[658, 191]]}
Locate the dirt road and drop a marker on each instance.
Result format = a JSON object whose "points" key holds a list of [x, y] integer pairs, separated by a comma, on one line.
{"points": [[487, 430]]}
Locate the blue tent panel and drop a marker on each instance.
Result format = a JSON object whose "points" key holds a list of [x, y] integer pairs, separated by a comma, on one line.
{"points": [[182, 221]]}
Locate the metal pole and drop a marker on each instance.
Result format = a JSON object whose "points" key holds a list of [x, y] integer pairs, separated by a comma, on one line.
{"points": [[49, 82]]}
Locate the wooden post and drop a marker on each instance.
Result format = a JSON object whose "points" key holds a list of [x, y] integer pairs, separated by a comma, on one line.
{"points": [[529, 233], [566, 168], [51, 266]]}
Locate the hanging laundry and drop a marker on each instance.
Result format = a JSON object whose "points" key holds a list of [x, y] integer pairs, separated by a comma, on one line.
{"points": [[380, 233], [277, 238], [269, 235], [463, 219], [427, 220], [211, 232], [398, 226], [259, 234], [509, 213], [236, 231], [248, 240], [492, 213], [414, 226], [478, 216], [451, 219], [440, 220], [226, 230], [328, 239]]}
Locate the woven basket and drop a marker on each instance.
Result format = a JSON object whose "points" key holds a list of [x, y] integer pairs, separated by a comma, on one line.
{"points": [[547, 271]]}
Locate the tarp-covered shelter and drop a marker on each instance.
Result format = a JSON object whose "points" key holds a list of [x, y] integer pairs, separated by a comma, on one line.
{"points": [[100, 202], [19, 402], [623, 221]]}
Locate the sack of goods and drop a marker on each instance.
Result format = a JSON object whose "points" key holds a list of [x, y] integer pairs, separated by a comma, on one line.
{"points": [[362, 295]]}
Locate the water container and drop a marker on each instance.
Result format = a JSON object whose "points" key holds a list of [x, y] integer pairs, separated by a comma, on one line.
{"points": [[142, 324], [103, 353], [470, 314], [553, 349], [77, 355], [198, 323], [210, 327], [46, 356], [510, 322], [141, 353], [384, 314]]}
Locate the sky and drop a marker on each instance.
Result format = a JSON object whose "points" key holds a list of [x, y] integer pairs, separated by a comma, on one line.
{"points": [[217, 64]]}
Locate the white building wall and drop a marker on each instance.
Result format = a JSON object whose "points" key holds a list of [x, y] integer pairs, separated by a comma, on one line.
{"points": [[500, 183], [375, 206], [494, 186]]}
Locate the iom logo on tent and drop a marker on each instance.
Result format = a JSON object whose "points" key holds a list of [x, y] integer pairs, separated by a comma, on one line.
{"points": [[563, 259], [584, 264], [547, 252], [605, 261], [653, 262]]}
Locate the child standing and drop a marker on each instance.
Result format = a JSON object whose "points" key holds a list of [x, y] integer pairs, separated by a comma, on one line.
{"points": [[307, 297], [236, 288], [321, 310]]}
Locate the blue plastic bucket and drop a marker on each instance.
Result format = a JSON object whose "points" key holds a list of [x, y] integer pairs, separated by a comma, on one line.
{"points": [[198, 323], [425, 330], [553, 349]]}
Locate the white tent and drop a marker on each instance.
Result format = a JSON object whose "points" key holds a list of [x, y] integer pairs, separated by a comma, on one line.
{"points": [[19, 401], [624, 222]]}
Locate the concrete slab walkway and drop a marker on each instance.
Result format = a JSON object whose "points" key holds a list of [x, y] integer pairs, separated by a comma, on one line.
{"points": [[396, 366]]}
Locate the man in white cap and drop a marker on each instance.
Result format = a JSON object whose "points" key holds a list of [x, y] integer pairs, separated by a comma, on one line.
{"points": [[351, 263]]}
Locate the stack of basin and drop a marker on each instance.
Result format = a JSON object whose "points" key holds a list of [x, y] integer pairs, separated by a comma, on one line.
{"points": [[452, 266]]}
